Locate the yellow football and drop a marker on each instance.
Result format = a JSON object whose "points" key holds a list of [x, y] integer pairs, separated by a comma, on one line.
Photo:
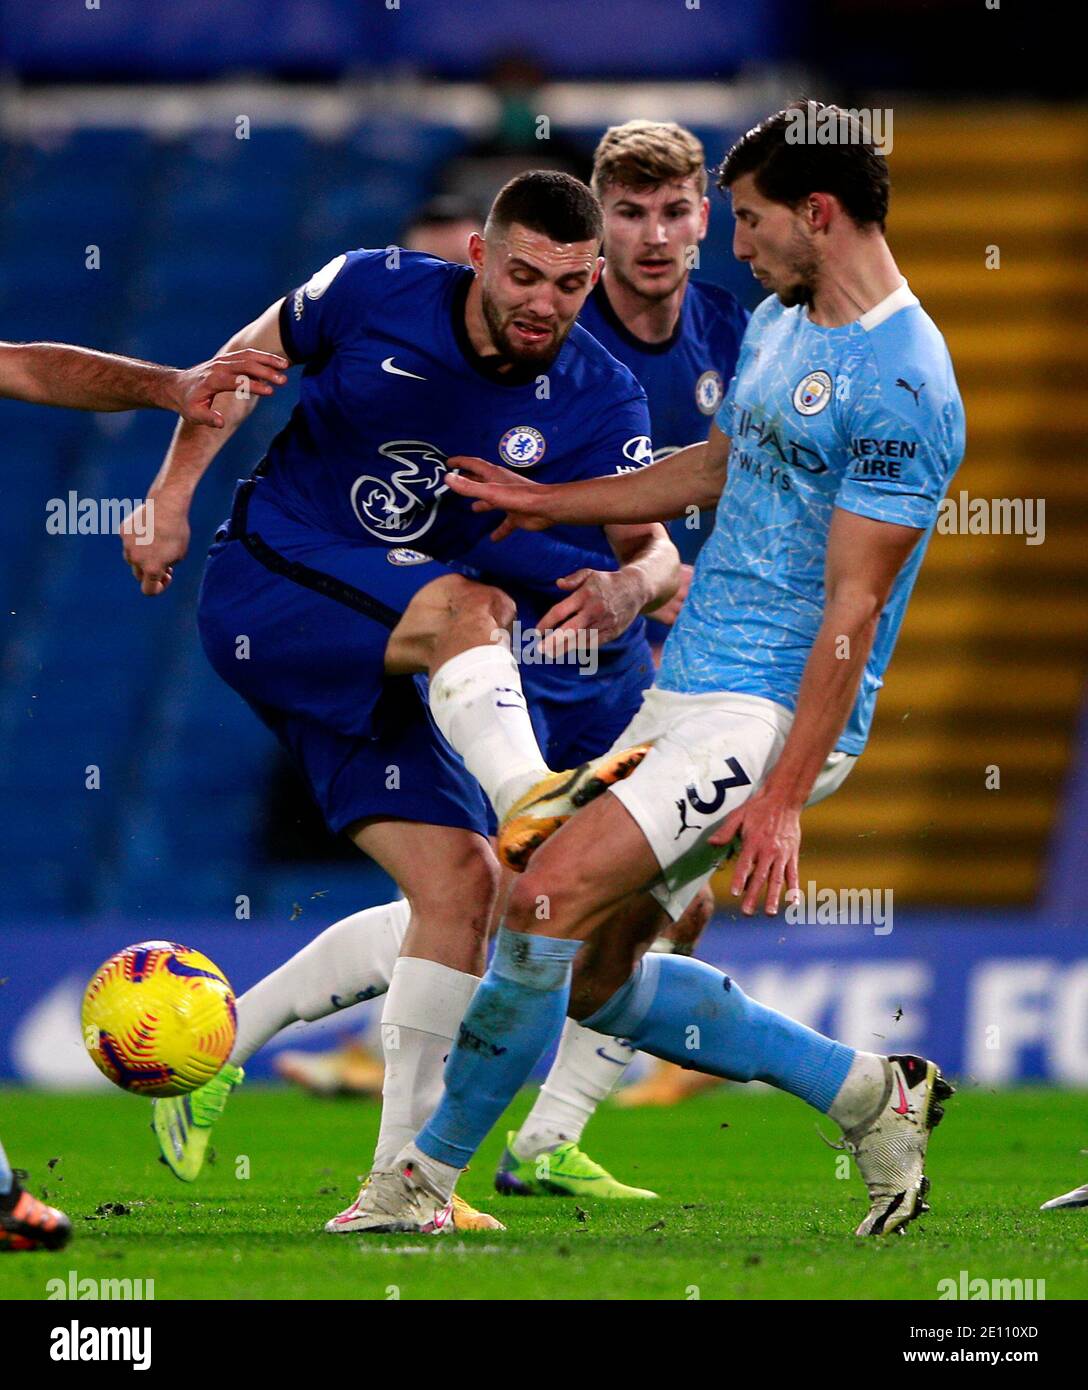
{"points": [[159, 1019]]}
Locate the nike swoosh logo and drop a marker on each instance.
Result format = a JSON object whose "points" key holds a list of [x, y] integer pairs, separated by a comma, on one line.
{"points": [[902, 1107], [619, 1061], [387, 366]]}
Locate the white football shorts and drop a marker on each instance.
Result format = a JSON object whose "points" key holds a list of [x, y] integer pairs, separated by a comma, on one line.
{"points": [[710, 752]]}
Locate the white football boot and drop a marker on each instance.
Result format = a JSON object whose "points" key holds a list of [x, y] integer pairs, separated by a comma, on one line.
{"points": [[394, 1201], [890, 1149], [1077, 1198]]}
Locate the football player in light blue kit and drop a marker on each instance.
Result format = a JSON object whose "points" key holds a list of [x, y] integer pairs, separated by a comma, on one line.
{"points": [[832, 450]]}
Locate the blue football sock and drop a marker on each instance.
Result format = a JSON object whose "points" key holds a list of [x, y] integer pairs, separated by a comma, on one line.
{"points": [[688, 1012], [516, 1013], [6, 1178]]}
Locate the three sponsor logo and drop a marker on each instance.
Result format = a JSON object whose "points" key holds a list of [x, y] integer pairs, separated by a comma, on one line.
{"points": [[403, 505]]}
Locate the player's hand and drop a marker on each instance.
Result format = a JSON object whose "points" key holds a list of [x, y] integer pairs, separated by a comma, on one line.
{"points": [[603, 601], [770, 841], [196, 389], [154, 538], [493, 488], [670, 611]]}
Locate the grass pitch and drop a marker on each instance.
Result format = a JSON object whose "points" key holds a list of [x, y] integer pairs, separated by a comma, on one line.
{"points": [[751, 1208]]}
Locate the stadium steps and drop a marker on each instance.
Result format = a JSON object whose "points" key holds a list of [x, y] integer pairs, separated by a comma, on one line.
{"points": [[991, 665]]}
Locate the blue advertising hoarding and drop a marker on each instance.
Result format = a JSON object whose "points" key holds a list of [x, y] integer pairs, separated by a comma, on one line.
{"points": [[995, 1002]]}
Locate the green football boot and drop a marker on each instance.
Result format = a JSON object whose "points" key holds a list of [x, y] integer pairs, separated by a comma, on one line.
{"points": [[183, 1124], [562, 1172]]}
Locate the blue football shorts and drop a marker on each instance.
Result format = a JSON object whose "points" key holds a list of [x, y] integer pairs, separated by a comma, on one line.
{"points": [[296, 620]]}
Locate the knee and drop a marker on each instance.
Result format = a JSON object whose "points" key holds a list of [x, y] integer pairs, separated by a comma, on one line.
{"points": [[466, 600], [462, 896], [541, 903]]}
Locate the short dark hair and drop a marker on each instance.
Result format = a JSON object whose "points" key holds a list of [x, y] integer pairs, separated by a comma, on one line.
{"points": [[444, 210], [787, 170], [547, 201]]}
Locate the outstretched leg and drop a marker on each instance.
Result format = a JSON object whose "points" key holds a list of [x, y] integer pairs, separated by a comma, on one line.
{"points": [[674, 1007]]}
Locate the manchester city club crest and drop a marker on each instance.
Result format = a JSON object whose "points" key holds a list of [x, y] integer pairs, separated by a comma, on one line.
{"points": [[708, 392], [812, 393], [522, 446]]}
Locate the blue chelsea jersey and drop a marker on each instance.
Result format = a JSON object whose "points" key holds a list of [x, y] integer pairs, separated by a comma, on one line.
{"points": [[392, 388], [866, 417], [684, 377]]}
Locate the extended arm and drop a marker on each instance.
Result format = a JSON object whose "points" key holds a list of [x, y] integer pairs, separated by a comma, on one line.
{"points": [[693, 476], [83, 379], [606, 600], [190, 454], [863, 559]]}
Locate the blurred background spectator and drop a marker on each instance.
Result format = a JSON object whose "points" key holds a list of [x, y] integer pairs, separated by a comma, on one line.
{"points": [[442, 227]]}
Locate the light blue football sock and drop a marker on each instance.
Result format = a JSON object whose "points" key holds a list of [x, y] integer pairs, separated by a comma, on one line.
{"points": [[687, 1012], [517, 1011], [6, 1178]]}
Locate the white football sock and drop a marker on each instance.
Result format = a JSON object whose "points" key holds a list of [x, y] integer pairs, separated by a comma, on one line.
{"points": [[423, 1011], [350, 961], [477, 701], [863, 1093], [587, 1067]]}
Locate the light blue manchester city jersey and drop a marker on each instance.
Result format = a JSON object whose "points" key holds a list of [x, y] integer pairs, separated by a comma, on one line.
{"points": [[866, 417]]}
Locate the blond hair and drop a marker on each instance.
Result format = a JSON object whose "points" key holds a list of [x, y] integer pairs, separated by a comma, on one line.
{"points": [[645, 154]]}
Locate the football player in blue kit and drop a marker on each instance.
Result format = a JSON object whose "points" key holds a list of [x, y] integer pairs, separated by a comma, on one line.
{"points": [[679, 336], [337, 568], [827, 461]]}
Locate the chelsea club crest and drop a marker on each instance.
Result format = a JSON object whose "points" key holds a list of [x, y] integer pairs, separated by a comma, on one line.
{"points": [[709, 390], [522, 446]]}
